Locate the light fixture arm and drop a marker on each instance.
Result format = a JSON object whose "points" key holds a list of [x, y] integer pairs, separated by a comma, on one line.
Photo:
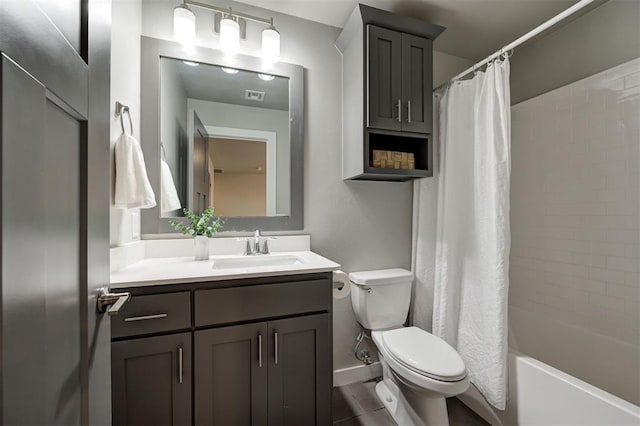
{"points": [[223, 10]]}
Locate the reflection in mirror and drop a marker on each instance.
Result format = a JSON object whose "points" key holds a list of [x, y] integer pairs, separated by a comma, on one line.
{"points": [[225, 140]]}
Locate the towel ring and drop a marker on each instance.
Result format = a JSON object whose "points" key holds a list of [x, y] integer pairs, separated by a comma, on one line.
{"points": [[120, 110]]}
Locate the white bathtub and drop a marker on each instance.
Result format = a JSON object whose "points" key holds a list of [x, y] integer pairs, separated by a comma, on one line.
{"points": [[542, 395]]}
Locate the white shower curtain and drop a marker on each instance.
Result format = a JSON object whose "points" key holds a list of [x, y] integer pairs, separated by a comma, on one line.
{"points": [[472, 234]]}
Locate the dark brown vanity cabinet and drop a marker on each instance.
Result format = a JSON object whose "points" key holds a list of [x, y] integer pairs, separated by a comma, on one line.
{"points": [[400, 80], [254, 352], [151, 380], [274, 372]]}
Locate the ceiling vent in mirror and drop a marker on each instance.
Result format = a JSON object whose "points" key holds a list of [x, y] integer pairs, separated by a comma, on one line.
{"points": [[254, 95]]}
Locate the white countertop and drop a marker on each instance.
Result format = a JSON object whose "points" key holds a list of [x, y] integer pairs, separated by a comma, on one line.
{"points": [[175, 270]]}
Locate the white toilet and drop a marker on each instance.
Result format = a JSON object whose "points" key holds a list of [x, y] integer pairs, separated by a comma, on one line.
{"points": [[419, 369]]}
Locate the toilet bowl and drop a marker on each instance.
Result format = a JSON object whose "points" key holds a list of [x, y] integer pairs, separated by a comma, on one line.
{"points": [[419, 369]]}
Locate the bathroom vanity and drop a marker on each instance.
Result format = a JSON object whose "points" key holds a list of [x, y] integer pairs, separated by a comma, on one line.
{"points": [[242, 345]]}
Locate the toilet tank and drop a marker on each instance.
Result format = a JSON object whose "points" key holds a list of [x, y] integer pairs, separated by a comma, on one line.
{"points": [[381, 298]]}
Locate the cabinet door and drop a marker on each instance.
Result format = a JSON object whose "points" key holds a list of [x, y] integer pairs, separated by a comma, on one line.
{"points": [[385, 74], [151, 379], [416, 84], [231, 375], [300, 371]]}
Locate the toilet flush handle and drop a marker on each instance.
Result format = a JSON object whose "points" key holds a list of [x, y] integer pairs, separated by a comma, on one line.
{"points": [[369, 290]]}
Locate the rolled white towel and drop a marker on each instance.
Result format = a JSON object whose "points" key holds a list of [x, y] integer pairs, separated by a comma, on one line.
{"points": [[169, 196], [133, 189]]}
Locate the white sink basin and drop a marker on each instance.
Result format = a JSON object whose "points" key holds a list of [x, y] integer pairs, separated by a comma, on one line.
{"points": [[260, 261]]}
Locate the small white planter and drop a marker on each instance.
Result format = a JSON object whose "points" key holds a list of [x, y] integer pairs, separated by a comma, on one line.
{"points": [[201, 247]]}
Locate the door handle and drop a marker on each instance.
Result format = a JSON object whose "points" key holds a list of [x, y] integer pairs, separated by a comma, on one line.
{"points": [[275, 352], [408, 111], [260, 350], [112, 301], [399, 106]]}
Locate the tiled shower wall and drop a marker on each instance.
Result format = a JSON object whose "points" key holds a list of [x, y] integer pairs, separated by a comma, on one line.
{"points": [[575, 289]]}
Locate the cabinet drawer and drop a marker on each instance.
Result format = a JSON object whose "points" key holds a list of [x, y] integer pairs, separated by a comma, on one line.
{"points": [[152, 314], [217, 306]]}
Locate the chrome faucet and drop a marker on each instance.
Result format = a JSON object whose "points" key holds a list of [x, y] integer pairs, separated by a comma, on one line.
{"points": [[257, 248]]}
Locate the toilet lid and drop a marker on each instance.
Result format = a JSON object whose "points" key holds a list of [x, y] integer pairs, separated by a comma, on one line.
{"points": [[424, 353]]}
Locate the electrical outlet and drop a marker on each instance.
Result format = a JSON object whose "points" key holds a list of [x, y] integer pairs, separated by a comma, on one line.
{"points": [[135, 225]]}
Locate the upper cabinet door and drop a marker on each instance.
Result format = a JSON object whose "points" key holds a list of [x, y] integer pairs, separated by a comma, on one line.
{"points": [[417, 79], [385, 74]]}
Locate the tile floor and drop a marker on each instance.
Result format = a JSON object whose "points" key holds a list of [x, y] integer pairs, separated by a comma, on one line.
{"points": [[357, 404]]}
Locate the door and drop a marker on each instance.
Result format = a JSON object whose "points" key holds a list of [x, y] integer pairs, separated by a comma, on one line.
{"points": [[151, 380], [416, 84], [300, 371], [200, 166], [54, 116], [385, 78], [231, 375]]}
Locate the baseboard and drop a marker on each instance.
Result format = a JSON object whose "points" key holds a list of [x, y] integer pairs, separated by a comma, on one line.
{"points": [[359, 373]]}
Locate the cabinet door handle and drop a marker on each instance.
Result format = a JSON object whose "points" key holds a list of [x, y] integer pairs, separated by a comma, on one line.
{"points": [[145, 317], [408, 111], [180, 367], [399, 106], [260, 350], [275, 352]]}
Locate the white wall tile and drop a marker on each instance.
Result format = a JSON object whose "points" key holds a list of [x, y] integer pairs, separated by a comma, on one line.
{"points": [[575, 216]]}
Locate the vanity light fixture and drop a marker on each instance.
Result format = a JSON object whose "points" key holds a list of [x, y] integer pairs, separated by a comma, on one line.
{"points": [[270, 45], [231, 27], [229, 34], [230, 70], [266, 77], [184, 25]]}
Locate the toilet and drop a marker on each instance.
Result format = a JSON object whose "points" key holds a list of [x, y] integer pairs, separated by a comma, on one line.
{"points": [[419, 369]]}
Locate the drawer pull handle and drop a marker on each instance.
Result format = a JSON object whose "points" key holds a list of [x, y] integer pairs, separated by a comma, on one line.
{"points": [[180, 362], [275, 339], [260, 350], [145, 317]]}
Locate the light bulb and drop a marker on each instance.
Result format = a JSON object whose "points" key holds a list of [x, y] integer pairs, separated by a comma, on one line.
{"points": [[229, 35], [266, 77], [184, 25], [270, 45]]}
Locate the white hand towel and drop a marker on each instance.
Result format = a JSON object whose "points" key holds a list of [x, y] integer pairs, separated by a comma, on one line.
{"points": [[169, 196], [133, 189]]}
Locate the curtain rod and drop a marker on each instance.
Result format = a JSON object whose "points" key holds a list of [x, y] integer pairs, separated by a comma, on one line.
{"points": [[534, 32]]}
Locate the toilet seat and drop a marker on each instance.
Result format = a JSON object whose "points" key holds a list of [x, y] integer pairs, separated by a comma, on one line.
{"points": [[424, 354]]}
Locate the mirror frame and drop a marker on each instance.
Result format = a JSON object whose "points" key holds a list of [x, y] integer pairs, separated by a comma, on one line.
{"points": [[152, 50]]}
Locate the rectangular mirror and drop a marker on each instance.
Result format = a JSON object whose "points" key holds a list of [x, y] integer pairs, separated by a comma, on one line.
{"points": [[225, 134], [222, 132]]}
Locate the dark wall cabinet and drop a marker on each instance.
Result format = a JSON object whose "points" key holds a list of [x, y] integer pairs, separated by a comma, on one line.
{"points": [[387, 64], [262, 353], [400, 80]]}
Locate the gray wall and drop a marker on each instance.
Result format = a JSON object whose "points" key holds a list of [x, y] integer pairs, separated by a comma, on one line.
{"points": [[602, 38], [361, 225], [125, 87]]}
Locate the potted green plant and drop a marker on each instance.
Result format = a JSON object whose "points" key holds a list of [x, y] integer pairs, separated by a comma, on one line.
{"points": [[201, 228]]}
